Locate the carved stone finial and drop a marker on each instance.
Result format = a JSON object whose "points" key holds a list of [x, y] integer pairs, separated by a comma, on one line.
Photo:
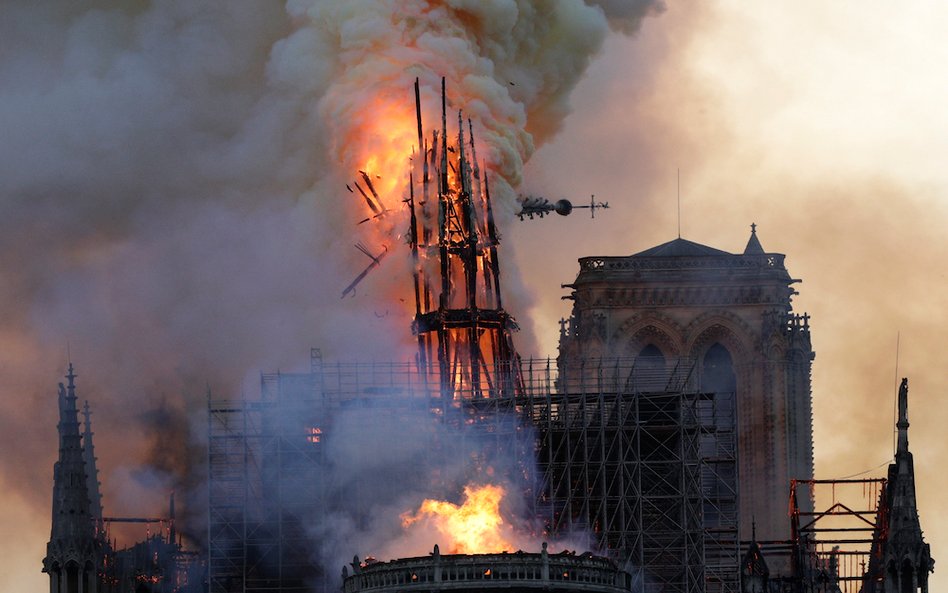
{"points": [[71, 376], [753, 243], [903, 423]]}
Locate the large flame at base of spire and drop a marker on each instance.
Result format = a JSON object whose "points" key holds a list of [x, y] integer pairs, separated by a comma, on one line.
{"points": [[473, 527]]}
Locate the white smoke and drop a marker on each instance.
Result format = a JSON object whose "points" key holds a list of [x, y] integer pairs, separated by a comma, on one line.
{"points": [[172, 174]]}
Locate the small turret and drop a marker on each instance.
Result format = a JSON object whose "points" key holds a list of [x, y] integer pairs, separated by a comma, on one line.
{"points": [[755, 574], [753, 244], [900, 560]]}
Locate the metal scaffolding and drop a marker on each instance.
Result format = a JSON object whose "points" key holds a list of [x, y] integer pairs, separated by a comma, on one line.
{"points": [[833, 546], [268, 493], [634, 456], [261, 454]]}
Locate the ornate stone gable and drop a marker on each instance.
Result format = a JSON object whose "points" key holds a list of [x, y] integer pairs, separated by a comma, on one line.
{"points": [[720, 325], [644, 328]]}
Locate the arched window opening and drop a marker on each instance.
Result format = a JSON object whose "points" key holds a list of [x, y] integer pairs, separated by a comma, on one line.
{"points": [[908, 578], [72, 577], [717, 371], [88, 576], [717, 409], [892, 575], [718, 378], [649, 371]]}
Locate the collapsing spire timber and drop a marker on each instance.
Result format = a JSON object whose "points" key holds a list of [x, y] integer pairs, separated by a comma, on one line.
{"points": [[376, 260], [460, 321]]}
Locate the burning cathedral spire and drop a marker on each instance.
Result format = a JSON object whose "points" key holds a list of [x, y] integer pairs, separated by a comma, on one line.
{"points": [[459, 318], [464, 334]]}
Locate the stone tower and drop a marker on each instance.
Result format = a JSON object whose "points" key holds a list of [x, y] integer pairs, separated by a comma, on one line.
{"points": [[729, 318], [73, 554]]}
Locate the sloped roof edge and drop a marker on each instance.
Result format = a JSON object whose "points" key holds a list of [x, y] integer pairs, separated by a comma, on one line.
{"points": [[681, 248]]}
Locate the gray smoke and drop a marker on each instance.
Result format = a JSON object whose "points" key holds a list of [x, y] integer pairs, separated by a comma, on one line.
{"points": [[170, 204]]}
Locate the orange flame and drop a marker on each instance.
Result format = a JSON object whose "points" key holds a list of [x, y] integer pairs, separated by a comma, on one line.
{"points": [[474, 527], [376, 148], [381, 145]]}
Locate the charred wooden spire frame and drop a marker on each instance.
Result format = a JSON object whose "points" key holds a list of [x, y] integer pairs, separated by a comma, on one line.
{"points": [[463, 332]]}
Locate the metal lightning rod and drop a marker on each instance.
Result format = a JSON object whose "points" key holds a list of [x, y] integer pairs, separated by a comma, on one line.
{"points": [[678, 175]]}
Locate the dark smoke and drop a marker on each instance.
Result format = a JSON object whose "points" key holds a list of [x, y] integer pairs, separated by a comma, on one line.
{"points": [[177, 462], [169, 207]]}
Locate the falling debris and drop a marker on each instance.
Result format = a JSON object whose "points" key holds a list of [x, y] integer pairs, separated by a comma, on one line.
{"points": [[373, 201], [368, 200], [376, 259], [378, 203]]}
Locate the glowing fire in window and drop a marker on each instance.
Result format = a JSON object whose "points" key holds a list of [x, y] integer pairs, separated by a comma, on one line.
{"points": [[315, 434]]}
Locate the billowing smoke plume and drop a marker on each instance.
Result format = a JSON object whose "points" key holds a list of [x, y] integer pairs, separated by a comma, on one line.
{"points": [[509, 65], [381, 460], [381, 463], [172, 199]]}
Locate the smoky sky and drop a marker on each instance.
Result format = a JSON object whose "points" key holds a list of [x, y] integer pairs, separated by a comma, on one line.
{"points": [[170, 211], [824, 126], [171, 217]]}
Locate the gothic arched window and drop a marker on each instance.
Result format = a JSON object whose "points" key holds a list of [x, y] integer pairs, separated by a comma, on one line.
{"points": [[717, 371], [717, 377], [649, 371]]}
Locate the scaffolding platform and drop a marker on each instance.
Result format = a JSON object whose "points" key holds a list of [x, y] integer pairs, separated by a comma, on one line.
{"points": [[634, 456]]}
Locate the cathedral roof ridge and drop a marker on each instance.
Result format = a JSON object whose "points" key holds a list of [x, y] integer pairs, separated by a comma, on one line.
{"points": [[681, 248]]}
